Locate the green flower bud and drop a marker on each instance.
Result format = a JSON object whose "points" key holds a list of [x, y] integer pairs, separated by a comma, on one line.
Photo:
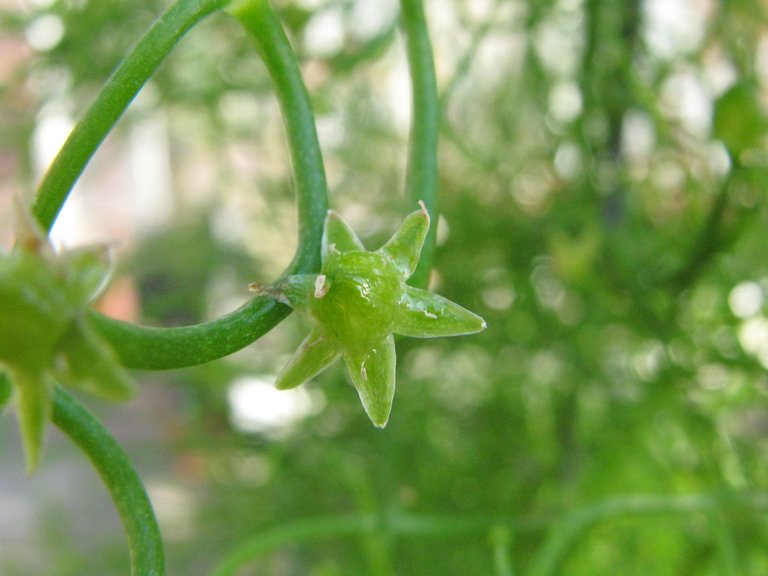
{"points": [[45, 335], [358, 301]]}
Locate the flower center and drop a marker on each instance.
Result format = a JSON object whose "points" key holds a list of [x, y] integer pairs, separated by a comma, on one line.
{"points": [[358, 301]]}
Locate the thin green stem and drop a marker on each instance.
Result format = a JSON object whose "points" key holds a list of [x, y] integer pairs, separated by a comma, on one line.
{"points": [[376, 544], [500, 540], [260, 21], [122, 481], [503, 529], [708, 241], [306, 530], [576, 524], [726, 543], [397, 524], [165, 348], [421, 179], [118, 93]]}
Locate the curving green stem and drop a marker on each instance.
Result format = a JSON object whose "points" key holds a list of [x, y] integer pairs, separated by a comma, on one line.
{"points": [[133, 505], [503, 529], [165, 348], [150, 348], [577, 523], [421, 179], [324, 528], [117, 94], [259, 19], [302, 531]]}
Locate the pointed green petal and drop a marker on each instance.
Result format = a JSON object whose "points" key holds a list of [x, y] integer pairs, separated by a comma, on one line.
{"points": [[34, 312], [89, 364], [373, 373], [338, 236], [404, 248], [34, 393], [425, 314], [313, 356]]}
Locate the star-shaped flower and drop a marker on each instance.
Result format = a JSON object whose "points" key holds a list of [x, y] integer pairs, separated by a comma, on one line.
{"points": [[358, 301], [45, 335]]}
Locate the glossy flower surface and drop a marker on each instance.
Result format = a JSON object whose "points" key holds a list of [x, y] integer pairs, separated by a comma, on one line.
{"points": [[358, 301], [45, 335]]}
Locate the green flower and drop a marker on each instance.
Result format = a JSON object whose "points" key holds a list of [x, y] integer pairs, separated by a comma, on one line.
{"points": [[45, 335], [358, 301]]}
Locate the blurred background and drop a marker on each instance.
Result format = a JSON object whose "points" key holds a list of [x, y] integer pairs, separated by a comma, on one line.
{"points": [[603, 206]]}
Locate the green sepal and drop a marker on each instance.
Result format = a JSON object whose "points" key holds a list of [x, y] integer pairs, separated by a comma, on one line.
{"points": [[404, 248], [424, 314], [314, 355], [372, 371], [89, 364], [34, 396], [44, 334], [338, 236], [34, 310]]}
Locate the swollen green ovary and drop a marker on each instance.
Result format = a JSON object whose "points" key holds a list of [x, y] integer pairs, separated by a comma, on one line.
{"points": [[359, 306]]}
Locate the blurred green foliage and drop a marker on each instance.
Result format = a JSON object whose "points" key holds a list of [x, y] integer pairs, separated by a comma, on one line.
{"points": [[602, 206]]}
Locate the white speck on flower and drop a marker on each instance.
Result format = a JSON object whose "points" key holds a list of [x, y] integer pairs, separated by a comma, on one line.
{"points": [[321, 286]]}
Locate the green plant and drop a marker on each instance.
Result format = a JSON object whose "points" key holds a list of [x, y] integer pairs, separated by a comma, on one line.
{"points": [[358, 301], [612, 403], [49, 336]]}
